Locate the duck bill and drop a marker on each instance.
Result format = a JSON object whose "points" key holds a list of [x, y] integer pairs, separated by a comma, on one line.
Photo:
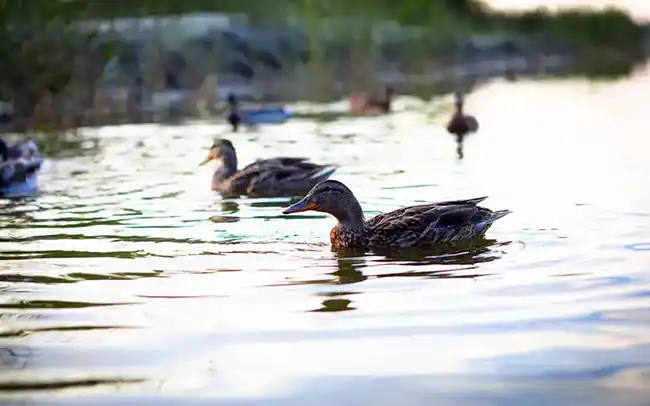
{"points": [[303, 205], [211, 155]]}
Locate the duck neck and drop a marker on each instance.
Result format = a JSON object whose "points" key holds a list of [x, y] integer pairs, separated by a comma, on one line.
{"points": [[350, 216], [227, 168], [233, 105], [229, 163], [459, 108]]}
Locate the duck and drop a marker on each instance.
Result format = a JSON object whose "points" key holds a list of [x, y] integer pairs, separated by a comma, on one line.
{"points": [[426, 225], [376, 104], [19, 168], [273, 177], [460, 123], [253, 116]]}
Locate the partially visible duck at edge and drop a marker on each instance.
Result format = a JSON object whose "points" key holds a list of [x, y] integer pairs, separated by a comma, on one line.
{"points": [[376, 104], [274, 177], [421, 226], [19, 167], [460, 123]]}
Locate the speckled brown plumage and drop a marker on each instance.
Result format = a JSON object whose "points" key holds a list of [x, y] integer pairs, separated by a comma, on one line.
{"points": [[413, 226], [274, 177]]}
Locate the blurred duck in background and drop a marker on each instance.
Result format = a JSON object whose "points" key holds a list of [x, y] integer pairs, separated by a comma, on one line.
{"points": [[461, 124], [253, 115], [380, 103], [274, 177], [19, 168]]}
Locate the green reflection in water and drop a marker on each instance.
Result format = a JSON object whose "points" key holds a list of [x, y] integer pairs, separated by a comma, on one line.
{"points": [[34, 279], [9, 255], [54, 385], [55, 304], [25, 332], [335, 305]]}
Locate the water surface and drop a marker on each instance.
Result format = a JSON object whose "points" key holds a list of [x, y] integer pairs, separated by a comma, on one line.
{"points": [[129, 282]]}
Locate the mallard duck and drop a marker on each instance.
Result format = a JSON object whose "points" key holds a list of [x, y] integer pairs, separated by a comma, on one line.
{"points": [[415, 226], [274, 177], [461, 124], [253, 116], [19, 167], [376, 104]]}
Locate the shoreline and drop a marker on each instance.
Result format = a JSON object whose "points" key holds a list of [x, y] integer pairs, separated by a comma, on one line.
{"points": [[111, 105]]}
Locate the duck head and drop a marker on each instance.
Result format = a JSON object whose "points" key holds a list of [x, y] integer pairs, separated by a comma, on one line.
{"points": [[333, 197], [231, 99], [223, 150]]}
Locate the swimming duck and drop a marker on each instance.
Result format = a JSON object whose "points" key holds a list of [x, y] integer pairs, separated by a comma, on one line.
{"points": [[253, 116], [19, 167], [274, 177], [414, 226], [376, 104], [233, 112], [461, 124]]}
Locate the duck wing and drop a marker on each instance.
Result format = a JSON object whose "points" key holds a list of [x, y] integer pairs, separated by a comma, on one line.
{"points": [[17, 170], [278, 161], [278, 177], [23, 159], [461, 124], [456, 124], [290, 180], [432, 223], [23, 149], [472, 123]]}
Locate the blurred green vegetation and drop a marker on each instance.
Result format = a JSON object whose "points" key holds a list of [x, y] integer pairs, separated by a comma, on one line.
{"points": [[40, 52], [609, 26]]}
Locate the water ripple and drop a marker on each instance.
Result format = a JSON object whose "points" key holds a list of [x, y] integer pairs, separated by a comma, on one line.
{"points": [[128, 281]]}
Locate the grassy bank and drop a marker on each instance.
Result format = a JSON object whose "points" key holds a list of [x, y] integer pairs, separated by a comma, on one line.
{"points": [[344, 41], [594, 27]]}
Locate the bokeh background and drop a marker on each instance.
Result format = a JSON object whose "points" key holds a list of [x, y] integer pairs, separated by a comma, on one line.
{"points": [[128, 281]]}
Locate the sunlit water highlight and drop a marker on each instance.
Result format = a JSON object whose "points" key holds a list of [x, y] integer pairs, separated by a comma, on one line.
{"points": [[128, 281]]}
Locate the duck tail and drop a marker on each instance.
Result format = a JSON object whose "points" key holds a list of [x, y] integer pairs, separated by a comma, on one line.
{"points": [[324, 173], [484, 225], [495, 215]]}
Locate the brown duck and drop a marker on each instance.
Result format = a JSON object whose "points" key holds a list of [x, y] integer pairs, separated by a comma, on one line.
{"points": [[274, 177], [380, 103], [460, 123], [415, 226]]}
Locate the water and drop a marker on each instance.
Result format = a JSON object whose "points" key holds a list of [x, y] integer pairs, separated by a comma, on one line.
{"points": [[130, 282]]}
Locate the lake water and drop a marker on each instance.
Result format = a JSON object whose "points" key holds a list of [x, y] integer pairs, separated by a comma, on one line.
{"points": [[129, 282]]}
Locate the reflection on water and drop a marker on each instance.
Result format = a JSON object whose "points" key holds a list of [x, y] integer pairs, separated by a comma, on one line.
{"points": [[129, 282]]}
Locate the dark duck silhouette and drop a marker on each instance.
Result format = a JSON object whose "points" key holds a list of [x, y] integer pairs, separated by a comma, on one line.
{"points": [[421, 226], [234, 118], [461, 124], [273, 177], [253, 116]]}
